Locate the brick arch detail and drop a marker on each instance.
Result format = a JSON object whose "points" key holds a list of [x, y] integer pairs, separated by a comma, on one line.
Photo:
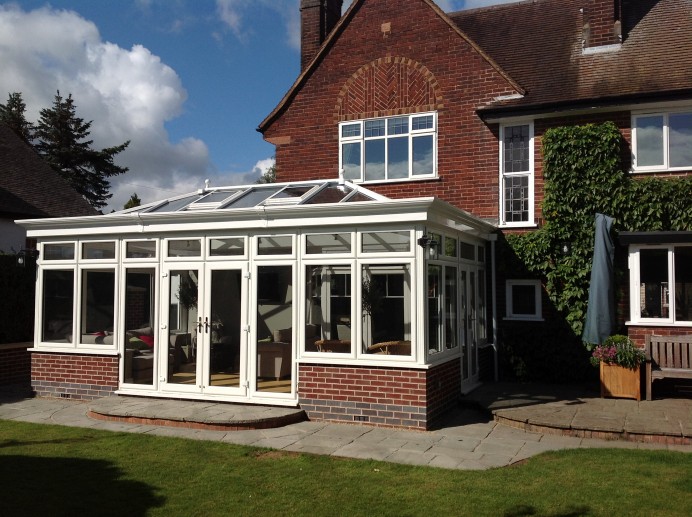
{"points": [[388, 86]]}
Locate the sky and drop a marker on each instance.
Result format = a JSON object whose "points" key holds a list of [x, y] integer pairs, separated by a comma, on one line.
{"points": [[187, 82]]}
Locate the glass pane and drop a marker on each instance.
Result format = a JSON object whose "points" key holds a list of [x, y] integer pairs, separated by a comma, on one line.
{"points": [[58, 300], [516, 148], [175, 205], [481, 329], [435, 316], [451, 319], [58, 251], [397, 126], [350, 130], [98, 307], [386, 309], [280, 245], [423, 155], [374, 128], [516, 198], [467, 251], [450, 247], [649, 134], [253, 197], [423, 122], [293, 192], [232, 246], [328, 243], [466, 334], [653, 278], [473, 340], [224, 360], [140, 249], [328, 309], [683, 283], [275, 328], [140, 340], [332, 194], [350, 160], [374, 160], [524, 300], [185, 248], [398, 158], [98, 250], [386, 242], [680, 139], [217, 196], [182, 325]]}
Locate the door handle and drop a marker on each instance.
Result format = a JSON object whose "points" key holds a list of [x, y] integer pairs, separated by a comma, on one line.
{"points": [[199, 325], [206, 324]]}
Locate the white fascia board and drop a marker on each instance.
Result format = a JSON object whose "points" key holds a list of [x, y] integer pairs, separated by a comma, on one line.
{"points": [[414, 210]]}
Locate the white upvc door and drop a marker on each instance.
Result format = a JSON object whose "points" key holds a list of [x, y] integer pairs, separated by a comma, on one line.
{"points": [[204, 323]]}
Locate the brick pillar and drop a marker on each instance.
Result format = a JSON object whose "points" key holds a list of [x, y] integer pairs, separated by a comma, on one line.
{"points": [[317, 19], [602, 22]]}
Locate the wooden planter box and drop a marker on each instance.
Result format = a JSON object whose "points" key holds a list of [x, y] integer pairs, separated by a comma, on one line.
{"points": [[618, 381]]}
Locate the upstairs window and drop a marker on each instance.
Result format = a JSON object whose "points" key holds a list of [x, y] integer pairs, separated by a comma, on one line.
{"points": [[516, 183], [389, 149], [662, 141]]}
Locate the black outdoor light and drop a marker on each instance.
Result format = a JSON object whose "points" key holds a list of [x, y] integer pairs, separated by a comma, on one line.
{"points": [[26, 255], [429, 243]]}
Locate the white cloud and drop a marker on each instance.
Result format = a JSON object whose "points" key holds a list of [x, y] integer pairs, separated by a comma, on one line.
{"points": [[129, 94], [234, 13]]}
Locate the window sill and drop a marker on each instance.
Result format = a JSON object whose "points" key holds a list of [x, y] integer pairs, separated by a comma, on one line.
{"points": [[649, 323], [394, 181], [518, 226]]}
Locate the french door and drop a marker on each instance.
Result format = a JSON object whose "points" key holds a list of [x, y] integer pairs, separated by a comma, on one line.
{"points": [[204, 310]]}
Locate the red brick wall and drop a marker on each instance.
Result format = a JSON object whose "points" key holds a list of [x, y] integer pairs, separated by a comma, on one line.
{"points": [[15, 364], [601, 16], [387, 397], [467, 148], [638, 333], [73, 376]]}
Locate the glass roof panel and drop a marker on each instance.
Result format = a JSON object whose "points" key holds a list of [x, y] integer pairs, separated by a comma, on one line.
{"points": [[359, 196], [331, 194], [176, 204], [291, 192], [218, 196], [253, 197]]}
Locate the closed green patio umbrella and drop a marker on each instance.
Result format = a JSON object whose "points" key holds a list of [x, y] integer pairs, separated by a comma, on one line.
{"points": [[600, 313]]}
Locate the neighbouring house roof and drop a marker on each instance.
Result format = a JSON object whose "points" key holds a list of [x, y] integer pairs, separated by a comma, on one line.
{"points": [[29, 187], [539, 44]]}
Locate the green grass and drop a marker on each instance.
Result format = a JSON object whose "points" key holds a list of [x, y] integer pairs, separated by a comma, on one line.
{"points": [[53, 470]]}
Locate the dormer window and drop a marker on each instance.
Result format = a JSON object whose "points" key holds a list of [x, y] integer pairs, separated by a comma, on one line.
{"points": [[389, 149]]}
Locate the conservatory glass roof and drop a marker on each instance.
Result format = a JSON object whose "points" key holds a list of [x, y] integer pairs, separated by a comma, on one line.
{"points": [[270, 194]]}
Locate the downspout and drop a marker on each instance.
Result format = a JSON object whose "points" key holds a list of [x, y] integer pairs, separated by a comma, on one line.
{"points": [[493, 239]]}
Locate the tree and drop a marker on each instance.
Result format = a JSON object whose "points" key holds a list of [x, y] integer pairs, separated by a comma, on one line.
{"points": [[269, 175], [62, 142], [12, 115], [133, 201]]}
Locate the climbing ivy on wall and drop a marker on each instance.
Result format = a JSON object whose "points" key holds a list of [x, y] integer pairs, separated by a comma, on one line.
{"points": [[584, 175]]}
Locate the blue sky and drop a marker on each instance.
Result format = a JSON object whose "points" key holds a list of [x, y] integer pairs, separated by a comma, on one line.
{"points": [[187, 81]]}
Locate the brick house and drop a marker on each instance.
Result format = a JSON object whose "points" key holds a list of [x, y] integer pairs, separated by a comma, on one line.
{"points": [[425, 129], [28, 188]]}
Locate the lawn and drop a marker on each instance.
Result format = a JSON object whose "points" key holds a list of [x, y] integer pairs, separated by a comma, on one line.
{"points": [[53, 470]]}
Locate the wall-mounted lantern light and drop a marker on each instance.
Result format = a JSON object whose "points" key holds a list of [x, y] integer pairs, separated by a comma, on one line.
{"points": [[429, 243], [25, 256]]}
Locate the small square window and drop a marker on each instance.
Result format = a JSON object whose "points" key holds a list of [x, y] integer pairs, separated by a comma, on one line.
{"points": [[524, 300]]}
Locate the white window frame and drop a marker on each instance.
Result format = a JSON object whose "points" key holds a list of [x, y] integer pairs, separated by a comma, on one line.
{"points": [[510, 315], [412, 134], [530, 174], [665, 166], [635, 292]]}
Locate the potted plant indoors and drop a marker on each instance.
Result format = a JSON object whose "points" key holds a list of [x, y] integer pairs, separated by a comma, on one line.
{"points": [[620, 362]]}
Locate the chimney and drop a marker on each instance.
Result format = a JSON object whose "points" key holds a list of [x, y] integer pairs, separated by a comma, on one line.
{"points": [[317, 19], [602, 23]]}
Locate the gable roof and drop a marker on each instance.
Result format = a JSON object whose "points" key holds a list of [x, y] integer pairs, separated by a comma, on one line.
{"points": [[339, 28], [539, 43], [29, 187]]}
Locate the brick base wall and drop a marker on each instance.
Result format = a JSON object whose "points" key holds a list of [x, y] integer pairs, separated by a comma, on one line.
{"points": [[15, 364], [387, 397], [638, 334], [83, 377]]}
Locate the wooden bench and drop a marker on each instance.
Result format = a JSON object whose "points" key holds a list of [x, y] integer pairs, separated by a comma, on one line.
{"points": [[667, 357]]}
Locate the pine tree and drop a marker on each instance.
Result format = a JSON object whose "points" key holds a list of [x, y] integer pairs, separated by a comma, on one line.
{"points": [[12, 115], [133, 201], [62, 142]]}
